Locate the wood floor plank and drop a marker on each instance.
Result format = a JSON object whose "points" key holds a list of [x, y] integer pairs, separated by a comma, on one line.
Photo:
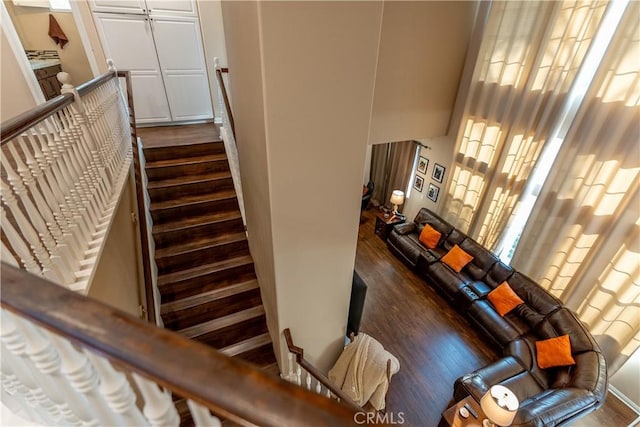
{"points": [[433, 342]]}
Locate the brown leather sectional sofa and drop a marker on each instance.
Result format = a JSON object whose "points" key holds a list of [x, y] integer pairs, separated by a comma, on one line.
{"points": [[548, 397]]}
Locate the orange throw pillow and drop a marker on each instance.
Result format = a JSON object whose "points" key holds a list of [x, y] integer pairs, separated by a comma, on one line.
{"points": [[554, 352], [457, 258], [504, 299], [429, 236]]}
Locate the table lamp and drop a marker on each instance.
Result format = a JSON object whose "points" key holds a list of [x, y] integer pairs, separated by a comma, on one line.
{"points": [[500, 405], [397, 198]]}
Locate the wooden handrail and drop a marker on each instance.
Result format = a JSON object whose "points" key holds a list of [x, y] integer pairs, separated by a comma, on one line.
{"points": [[230, 388], [225, 96], [142, 214], [315, 372], [90, 85], [24, 121], [17, 125]]}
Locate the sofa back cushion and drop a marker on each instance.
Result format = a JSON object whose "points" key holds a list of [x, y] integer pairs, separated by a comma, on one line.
{"points": [[533, 294], [482, 261], [497, 274], [425, 216], [453, 238]]}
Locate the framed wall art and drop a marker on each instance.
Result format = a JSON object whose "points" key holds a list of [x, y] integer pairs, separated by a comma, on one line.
{"points": [[418, 183], [432, 193], [423, 163], [438, 172]]}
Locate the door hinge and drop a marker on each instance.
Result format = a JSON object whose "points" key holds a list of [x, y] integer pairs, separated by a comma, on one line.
{"points": [[143, 312], [134, 218]]}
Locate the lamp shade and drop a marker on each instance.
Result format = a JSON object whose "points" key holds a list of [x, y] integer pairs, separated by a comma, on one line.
{"points": [[397, 197], [500, 405]]}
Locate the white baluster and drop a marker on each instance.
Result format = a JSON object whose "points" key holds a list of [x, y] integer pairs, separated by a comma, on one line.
{"points": [[24, 383], [328, 393], [77, 368], [202, 416], [308, 380], [318, 387], [117, 391], [158, 405], [298, 375], [38, 353]]}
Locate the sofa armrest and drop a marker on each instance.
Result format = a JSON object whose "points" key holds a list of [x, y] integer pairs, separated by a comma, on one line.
{"points": [[405, 228], [555, 406]]}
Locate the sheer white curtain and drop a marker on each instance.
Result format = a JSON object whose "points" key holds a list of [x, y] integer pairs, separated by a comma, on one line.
{"points": [[528, 60], [582, 241]]}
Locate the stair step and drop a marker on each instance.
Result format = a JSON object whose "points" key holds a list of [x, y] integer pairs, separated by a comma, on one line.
{"points": [[197, 227], [257, 350], [181, 284], [229, 330], [186, 160], [197, 165], [210, 306], [154, 154], [203, 298], [201, 251], [193, 332], [189, 185], [194, 205]]}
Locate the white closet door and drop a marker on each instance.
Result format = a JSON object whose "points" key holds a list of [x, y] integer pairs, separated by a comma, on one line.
{"points": [[181, 56], [172, 7], [118, 6], [127, 39]]}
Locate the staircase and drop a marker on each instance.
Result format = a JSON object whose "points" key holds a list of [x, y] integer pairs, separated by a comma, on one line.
{"points": [[206, 276]]}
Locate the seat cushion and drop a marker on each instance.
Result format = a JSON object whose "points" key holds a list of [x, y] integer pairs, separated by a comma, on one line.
{"points": [[494, 326], [408, 245], [444, 278]]}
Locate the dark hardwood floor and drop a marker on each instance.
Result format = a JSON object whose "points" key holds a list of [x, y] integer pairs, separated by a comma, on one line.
{"points": [[433, 342]]}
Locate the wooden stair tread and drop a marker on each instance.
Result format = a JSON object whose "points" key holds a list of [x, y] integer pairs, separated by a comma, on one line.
{"points": [[178, 276], [223, 322], [206, 297], [183, 223], [189, 179], [200, 244], [186, 160], [194, 199], [246, 345]]}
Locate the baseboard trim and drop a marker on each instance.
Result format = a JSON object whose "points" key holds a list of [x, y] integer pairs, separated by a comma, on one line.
{"points": [[179, 123]]}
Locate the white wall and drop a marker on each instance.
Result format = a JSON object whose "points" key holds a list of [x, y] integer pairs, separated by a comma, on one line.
{"points": [[118, 279], [244, 57], [441, 152], [212, 29], [16, 95], [314, 127], [422, 51]]}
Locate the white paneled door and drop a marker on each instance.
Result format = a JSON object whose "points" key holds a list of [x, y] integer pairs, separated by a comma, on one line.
{"points": [[119, 6], [172, 7], [128, 40], [181, 56]]}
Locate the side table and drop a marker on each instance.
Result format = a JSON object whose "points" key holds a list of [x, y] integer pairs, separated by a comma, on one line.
{"points": [[384, 225], [452, 418]]}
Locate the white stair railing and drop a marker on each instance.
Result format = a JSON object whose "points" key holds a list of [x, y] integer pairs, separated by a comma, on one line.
{"points": [[62, 175], [57, 352]]}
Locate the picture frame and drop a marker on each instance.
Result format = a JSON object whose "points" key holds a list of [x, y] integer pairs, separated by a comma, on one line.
{"points": [[433, 192], [438, 173], [423, 164], [418, 183]]}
